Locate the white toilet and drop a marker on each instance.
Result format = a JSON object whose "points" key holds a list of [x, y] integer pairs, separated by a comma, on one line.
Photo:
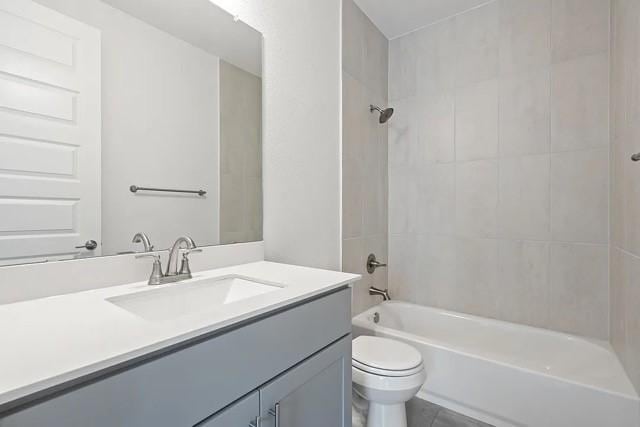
{"points": [[386, 373]]}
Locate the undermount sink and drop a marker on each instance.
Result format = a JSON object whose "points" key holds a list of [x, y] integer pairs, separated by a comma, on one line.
{"points": [[193, 297]]}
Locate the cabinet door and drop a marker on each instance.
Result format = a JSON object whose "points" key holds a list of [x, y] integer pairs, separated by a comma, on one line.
{"points": [[315, 393], [243, 413]]}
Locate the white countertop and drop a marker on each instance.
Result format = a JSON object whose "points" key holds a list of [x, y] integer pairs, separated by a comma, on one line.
{"points": [[50, 341]]}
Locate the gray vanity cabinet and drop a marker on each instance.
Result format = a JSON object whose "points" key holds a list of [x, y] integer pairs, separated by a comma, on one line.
{"points": [[298, 358], [241, 414], [316, 393]]}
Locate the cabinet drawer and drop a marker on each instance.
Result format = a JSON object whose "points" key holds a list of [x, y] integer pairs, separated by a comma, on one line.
{"points": [[186, 386]]}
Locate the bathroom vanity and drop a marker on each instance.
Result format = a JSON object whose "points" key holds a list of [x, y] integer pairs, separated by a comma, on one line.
{"points": [[119, 356], [123, 126]]}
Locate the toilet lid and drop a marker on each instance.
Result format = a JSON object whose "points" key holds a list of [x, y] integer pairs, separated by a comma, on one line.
{"points": [[385, 354]]}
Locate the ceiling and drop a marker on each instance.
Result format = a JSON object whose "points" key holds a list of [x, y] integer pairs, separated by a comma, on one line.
{"points": [[202, 24], [398, 17]]}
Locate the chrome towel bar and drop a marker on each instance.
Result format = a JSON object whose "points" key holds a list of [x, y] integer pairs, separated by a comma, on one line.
{"points": [[135, 189]]}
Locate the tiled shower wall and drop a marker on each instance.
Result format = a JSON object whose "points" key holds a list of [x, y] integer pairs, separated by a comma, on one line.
{"points": [[240, 154], [499, 164], [625, 185], [364, 147]]}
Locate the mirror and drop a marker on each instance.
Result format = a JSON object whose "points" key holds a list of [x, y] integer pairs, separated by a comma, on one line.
{"points": [[120, 117]]}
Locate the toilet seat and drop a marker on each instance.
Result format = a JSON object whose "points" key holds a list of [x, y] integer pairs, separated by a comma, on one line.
{"points": [[386, 372], [385, 357]]}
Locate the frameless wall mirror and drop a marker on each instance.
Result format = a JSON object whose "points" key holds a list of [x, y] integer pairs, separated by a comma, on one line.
{"points": [[126, 116]]}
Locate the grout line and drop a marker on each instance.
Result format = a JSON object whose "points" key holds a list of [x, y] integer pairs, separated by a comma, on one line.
{"points": [[499, 85], [547, 316], [626, 252], [439, 21], [610, 169], [435, 417], [504, 239]]}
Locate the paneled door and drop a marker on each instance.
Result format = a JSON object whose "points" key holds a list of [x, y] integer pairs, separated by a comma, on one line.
{"points": [[49, 134]]}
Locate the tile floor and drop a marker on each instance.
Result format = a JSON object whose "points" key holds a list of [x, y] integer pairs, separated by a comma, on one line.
{"points": [[420, 413]]}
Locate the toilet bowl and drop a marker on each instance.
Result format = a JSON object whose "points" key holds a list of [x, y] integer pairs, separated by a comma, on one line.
{"points": [[387, 373]]}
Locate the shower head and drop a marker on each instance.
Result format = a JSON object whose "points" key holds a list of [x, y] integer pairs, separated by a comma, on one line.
{"points": [[384, 114]]}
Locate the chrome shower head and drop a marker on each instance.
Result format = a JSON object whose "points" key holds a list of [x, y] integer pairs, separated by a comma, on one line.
{"points": [[385, 114]]}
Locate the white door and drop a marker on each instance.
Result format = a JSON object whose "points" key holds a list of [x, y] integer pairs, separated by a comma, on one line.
{"points": [[49, 134]]}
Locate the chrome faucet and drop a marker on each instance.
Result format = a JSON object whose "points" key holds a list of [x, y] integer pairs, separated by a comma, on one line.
{"points": [[184, 245], [383, 293], [183, 242], [144, 239]]}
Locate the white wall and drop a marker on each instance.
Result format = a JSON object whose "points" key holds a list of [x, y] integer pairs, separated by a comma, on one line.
{"points": [[301, 127], [159, 129]]}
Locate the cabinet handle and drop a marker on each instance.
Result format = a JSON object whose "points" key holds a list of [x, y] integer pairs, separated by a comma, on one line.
{"points": [[275, 413]]}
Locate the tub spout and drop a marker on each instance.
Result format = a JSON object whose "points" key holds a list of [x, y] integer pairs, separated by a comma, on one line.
{"points": [[383, 293]]}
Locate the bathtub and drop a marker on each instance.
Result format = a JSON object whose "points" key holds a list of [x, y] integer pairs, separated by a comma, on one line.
{"points": [[507, 374]]}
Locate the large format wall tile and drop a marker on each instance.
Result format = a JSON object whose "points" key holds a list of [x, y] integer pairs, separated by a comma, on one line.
{"points": [[404, 149], [477, 198], [514, 97], [435, 126], [402, 67], [436, 58], [477, 44], [523, 278], [523, 208], [524, 35], [580, 103], [579, 292], [579, 196], [476, 124], [436, 200], [580, 27], [476, 276], [524, 113]]}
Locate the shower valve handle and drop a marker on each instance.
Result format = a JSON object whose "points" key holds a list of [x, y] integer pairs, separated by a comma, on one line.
{"points": [[373, 263]]}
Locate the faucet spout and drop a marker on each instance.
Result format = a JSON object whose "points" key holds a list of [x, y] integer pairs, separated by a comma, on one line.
{"points": [[144, 239], [383, 293], [183, 242]]}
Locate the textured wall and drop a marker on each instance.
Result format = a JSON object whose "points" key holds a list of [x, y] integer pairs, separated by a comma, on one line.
{"points": [[364, 156], [240, 155], [301, 154], [625, 188], [499, 172]]}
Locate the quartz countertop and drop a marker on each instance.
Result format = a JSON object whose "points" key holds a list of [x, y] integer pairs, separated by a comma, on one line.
{"points": [[49, 342]]}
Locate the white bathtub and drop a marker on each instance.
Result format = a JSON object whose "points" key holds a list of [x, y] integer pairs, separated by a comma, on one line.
{"points": [[507, 374]]}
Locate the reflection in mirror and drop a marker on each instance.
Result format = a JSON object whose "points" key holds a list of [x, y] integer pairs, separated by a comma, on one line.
{"points": [[120, 117]]}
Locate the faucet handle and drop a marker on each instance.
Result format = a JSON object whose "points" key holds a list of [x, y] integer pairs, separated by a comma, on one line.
{"points": [[156, 272], [373, 263], [184, 266]]}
